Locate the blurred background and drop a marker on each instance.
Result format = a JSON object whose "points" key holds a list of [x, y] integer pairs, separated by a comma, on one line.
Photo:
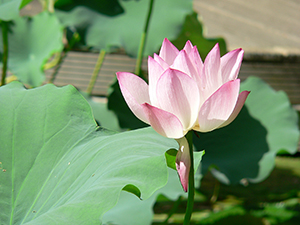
{"points": [[269, 33]]}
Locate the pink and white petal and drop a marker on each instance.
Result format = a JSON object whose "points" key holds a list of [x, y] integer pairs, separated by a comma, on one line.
{"points": [[198, 65], [179, 94], [135, 92], [211, 77], [230, 64], [154, 72], [161, 62], [163, 122], [183, 162], [183, 63], [196, 60], [239, 105], [188, 47], [168, 52], [219, 106]]}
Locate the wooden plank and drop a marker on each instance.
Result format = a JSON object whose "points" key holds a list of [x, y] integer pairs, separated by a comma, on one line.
{"points": [[269, 26], [78, 67]]}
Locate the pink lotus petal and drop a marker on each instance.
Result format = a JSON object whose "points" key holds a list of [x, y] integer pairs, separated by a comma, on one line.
{"points": [[154, 73], [219, 106], [211, 77], [230, 64], [188, 47], [164, 123], [161, 62], [183, 63], [135, 93], [183, 162], [196, 60], [168, 52], [178, 94], [239, 105]]}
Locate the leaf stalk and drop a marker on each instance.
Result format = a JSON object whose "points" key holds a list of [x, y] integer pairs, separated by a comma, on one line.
{"points": [[191, 186], [96, 71], [4, 27], [139, 59]]}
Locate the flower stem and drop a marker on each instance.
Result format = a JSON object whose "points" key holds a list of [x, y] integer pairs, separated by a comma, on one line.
{"points": [[139, 59], [4, 26], [173, 210], [96, 71], [215, 195], [62, 56], [191, 186]]}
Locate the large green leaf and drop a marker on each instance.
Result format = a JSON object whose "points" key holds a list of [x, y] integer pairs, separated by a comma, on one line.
{"points": [[103, 116], [9, 9], [274, 111], [24, 3], [132, 211], [125, 30], [31, 43], [246, 149], [57, 168]]}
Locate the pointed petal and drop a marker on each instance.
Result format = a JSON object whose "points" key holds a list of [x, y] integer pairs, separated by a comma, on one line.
{"points": [[183, 63], [196, 60], [178, 94], [188, 47], [168, 52], [211, 77], [161, 62], [164, 123], [219, 106], [230, 64], [183, 162], [135, 93], [239, 105], [154, 73]]}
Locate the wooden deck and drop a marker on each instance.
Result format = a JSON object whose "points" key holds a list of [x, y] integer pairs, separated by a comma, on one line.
{"points": [[257, 26], [268, 31], [77, 69]]}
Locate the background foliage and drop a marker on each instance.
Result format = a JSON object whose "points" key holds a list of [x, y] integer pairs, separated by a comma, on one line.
{"points": [[59, 167]]}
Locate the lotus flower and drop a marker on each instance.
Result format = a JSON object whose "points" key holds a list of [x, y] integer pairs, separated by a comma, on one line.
{"points": [[186, 94]]}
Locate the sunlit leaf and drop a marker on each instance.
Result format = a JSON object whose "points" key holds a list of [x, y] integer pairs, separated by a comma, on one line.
{"points": [[213, 217], [9, 9], [245, 150], [275, 213], [58, 168], [104, 117], [31, 43], [24, 3], [132, 211], [125, 30]]}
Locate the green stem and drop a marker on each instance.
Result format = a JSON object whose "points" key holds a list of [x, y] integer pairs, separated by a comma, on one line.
{"points": [[139, 59], [191, 186], [173, 210], [62, 56], [96, 72], [75, 38], [4, 26], [215, 195]]}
